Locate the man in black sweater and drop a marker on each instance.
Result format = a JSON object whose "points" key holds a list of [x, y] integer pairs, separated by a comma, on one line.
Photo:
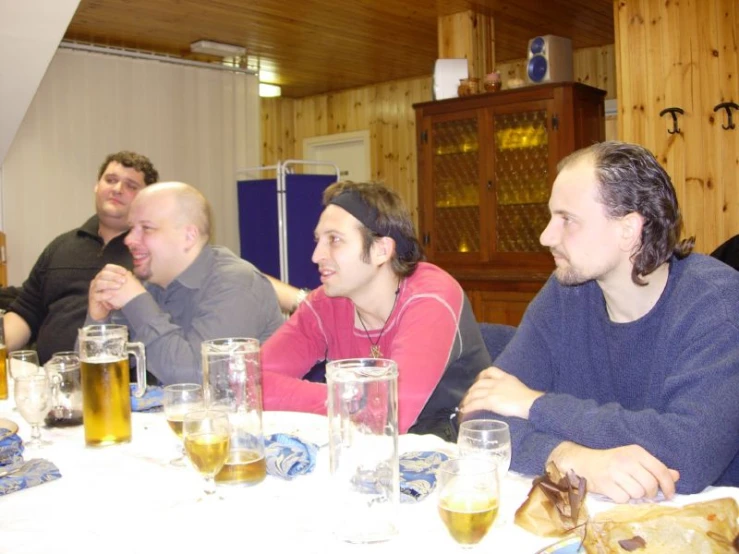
{"points": [[53, 302]]}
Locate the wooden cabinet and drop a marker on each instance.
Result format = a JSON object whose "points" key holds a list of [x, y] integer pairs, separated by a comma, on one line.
{"points": [[486, 164]]}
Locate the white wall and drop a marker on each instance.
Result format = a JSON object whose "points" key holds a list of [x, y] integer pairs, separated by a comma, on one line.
{"points": [[29, 35], [196, 125]]}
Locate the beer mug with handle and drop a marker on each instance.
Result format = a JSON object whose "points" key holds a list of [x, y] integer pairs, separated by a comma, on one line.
{"points": [[363, 448], [106, 403], [232, 382], [3, 360]]}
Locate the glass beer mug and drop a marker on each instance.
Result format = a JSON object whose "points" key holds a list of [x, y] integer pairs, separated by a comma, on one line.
{"points": [[3, 360], [106, 402], [363, 446], [232, 382], [63, 370]]}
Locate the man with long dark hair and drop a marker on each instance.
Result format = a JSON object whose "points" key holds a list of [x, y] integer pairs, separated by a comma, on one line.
{"points": [[625, 367], [377, 299]]}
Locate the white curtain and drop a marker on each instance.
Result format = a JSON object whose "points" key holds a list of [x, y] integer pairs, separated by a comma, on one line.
{"points": [[197, 125]]}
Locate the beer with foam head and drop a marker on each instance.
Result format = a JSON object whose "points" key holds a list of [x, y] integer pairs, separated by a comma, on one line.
{"points": [[106, 394], [106, 401]]}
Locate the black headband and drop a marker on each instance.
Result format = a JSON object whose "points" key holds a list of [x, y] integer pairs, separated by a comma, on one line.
{"points": [[353, 203]]}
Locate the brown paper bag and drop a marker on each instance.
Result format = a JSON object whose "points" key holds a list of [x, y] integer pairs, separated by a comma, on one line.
{"points": [[555, 505]]}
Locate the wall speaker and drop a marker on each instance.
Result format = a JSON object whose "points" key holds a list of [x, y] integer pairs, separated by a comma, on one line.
{"points": [[550, 60]]}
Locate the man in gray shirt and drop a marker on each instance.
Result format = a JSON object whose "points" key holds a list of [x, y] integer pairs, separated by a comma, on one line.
{"points": [[191, 291]]}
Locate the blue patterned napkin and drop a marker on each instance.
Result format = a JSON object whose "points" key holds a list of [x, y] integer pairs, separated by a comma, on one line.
{"points": [[34, 472], [418, 474], [287, 456], [11, 448], [150, 402]]}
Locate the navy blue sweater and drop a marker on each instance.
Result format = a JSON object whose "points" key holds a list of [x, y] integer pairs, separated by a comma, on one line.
{"points": [[668, 381]]}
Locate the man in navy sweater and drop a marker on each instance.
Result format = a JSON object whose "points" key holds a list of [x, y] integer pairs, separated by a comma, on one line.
{"points": [[625, 367]]}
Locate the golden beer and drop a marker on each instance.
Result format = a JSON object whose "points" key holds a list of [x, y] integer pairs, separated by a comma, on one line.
{"points": [[468, 517], [207, 451], [3, 372], [176, 425], [106, 403], [243, 467]]}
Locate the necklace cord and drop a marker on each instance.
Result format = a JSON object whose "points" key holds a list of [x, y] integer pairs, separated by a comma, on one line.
{"points": [[374, 345]]}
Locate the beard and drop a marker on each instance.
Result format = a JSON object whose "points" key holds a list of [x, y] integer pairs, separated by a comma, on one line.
{"points": [[569, 276]]}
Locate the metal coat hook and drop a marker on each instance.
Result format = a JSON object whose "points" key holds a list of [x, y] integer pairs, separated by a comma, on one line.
{"points": [[673, 112], [728, 106]]}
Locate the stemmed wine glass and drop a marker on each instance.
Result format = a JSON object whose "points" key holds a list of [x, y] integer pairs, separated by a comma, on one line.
{"points": [[178, 400], [469, 497], [23, 362], [33, 398], [207, 440], [486, 437]]}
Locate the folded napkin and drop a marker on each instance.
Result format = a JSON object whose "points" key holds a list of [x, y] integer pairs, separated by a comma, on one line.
{"points": [[287, 456], [11, 448], [31, 473], [28, 474], [418, 474], [150, 402]]}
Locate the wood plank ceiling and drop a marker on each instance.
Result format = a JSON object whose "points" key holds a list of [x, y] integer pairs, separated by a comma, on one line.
{"points": [[316, 46]]}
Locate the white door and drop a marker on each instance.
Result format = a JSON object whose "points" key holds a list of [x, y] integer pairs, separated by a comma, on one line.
{"points": [[349, 151]]}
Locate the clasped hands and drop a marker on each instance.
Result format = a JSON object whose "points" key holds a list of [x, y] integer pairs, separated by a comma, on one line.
{"points": [[111, 289], [622, 473]]}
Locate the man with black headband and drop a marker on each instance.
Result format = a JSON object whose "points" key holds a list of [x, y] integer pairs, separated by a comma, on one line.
{"points": [[377, 299]]}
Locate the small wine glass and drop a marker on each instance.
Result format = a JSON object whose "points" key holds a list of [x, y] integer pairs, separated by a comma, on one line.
{"points": [[23, 362], [469, 497], [178, 400], [33, 398], [207, 440], [486, 437]]}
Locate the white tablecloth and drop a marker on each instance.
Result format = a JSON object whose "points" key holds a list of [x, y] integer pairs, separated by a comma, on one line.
{"points": [[128, 498]]}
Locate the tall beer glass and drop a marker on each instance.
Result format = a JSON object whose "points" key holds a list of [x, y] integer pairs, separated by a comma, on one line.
{"points": [[3, 360], [106, 403], [363, 442], [232, 379]]}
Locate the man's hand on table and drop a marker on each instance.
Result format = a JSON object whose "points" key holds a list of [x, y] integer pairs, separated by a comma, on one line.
{"points": [[622, 474], [111, 289], [496, 391]]}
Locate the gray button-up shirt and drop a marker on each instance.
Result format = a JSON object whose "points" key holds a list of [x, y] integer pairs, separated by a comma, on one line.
{"points": [[220, 295]]}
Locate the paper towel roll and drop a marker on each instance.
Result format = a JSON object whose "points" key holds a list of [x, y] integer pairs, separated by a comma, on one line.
{"points": [[447, 73]]}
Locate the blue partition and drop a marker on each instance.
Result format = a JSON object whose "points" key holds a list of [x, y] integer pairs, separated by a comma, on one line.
{"points": [[259, 224], [303, 206]]}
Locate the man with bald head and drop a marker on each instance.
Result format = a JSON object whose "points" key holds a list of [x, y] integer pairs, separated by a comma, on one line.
{"points": [[182, 290]]}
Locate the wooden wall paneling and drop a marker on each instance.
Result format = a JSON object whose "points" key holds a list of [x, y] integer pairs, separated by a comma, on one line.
{"points": [[596, 67], [709, 91], [728, 22], [277, 132], [611, 127], [470, 35], [669, 76], [692, 201], [684, 55]]}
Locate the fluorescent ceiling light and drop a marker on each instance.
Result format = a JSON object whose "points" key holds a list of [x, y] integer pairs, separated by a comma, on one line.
{"points": [[217, 48], [269, 91]]}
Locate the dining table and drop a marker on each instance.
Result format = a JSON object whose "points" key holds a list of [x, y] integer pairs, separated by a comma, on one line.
{"points": [[128, 498]]}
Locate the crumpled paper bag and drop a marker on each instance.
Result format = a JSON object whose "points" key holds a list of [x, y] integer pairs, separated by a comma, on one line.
{"points": [[555, 505]]}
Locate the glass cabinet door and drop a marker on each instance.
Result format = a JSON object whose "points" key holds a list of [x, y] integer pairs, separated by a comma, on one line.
{"points": [[522, 176], [455, 187]]}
